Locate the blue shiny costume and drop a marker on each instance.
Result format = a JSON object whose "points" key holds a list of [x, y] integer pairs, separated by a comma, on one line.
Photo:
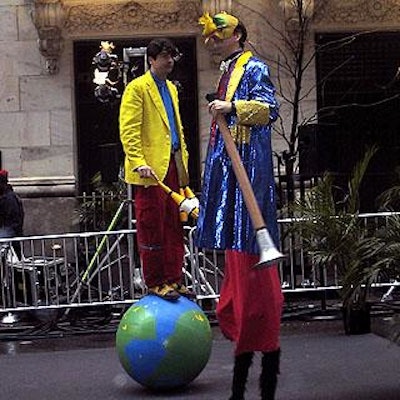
{"points": [[224, 222]]}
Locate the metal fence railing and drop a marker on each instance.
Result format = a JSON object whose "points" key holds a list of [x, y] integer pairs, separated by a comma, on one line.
{"points": [[97, 268], [69, 270], [88, 269], [297, 271]]}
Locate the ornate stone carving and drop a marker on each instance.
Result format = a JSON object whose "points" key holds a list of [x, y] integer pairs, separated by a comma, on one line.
{"points": [[367, 13], [131, 17], [49, 18]]}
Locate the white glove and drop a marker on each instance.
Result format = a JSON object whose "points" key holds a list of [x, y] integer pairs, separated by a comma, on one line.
{"points": [[190, 206]]}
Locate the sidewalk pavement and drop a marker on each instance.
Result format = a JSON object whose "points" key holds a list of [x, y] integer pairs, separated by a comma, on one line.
{"points": [[318, 363]]}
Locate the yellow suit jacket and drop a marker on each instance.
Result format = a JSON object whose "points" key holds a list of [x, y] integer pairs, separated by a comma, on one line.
{"points": [[144, 129]]}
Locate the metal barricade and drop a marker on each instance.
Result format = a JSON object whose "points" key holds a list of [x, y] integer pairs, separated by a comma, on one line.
{"points": [[297, 272], [94, 268], [69, 270], [100, 268]]}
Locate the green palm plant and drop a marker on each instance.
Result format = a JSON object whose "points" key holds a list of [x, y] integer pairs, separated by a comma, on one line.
{"points": [[327, 231], [327, 219], [378, 261], [390, 201], [334, 236], [370, 261]]}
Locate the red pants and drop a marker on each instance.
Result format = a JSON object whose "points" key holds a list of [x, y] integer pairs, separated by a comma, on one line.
{"points": [[159, 232], [250, 306]]}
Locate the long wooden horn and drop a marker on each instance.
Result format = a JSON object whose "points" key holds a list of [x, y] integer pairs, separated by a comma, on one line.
{"points": [[269, 254]]}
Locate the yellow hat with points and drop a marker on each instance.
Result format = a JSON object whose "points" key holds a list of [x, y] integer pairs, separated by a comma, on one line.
{"points": [[222, 25]]}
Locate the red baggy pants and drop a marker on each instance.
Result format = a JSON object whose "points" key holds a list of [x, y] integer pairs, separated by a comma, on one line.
{"points": [[159, 231], [250, 306]]}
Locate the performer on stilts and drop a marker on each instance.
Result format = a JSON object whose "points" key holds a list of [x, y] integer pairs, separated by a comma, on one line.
{"points": [[250, 305]]}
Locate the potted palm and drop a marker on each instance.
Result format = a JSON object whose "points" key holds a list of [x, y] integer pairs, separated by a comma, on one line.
{"points": [[379, 259], [331, 232]]}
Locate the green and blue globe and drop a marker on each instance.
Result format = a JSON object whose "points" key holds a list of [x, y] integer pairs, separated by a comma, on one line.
{"points": [[164, 344]]}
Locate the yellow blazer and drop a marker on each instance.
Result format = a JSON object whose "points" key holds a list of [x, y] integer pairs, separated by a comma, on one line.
{"points": [[144, 129]]}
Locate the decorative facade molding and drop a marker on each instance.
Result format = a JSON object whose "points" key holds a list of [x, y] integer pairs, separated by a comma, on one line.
{"points": [[49, 17], [357, 13], [54, 19], [130, 17]]}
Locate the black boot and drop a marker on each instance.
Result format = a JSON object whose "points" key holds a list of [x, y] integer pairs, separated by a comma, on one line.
{"points": [[240, 373], [269, 374]]}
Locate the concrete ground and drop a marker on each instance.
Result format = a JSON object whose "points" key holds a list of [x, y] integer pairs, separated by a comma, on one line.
{"points": [[318, 362]]}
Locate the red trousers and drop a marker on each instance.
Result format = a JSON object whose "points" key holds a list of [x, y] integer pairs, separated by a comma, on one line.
{"points": [[250, 306], [159, 232]]}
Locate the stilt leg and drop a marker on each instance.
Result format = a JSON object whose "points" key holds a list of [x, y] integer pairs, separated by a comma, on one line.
{"points": [[240, 373], [269, 374]]}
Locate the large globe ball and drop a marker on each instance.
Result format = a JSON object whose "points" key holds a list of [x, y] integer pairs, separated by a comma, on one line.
{"points": [[164, 344]]}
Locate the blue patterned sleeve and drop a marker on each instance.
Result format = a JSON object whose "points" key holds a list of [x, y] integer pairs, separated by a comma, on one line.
{"points": [[261, 87]]}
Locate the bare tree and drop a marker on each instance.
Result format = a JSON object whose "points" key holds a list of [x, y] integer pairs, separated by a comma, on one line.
{"points": [[291, 38], [293, 57]]}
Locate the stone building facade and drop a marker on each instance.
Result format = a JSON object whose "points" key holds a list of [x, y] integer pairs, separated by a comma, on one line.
{"points": [[39, 130]]}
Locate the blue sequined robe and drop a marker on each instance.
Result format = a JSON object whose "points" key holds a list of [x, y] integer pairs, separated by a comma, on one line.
{"points": [[224, 222]]}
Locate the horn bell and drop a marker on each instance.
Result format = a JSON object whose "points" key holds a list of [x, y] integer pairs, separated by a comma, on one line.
{"points": [[269, 254]]}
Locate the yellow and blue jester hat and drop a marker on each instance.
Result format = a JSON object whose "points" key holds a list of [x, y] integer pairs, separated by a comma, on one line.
{"points": [[221, 25]]}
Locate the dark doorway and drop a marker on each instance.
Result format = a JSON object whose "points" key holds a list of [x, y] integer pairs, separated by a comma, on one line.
{"points": [[99, 148], [358, 103]]}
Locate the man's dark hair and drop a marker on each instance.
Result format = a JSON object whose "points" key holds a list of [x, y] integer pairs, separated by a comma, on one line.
{"points": [[240, 28], [162, 45]]}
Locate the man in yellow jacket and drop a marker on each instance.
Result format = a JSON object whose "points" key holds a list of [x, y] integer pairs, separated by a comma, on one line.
{"points": [[153, 141]]}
